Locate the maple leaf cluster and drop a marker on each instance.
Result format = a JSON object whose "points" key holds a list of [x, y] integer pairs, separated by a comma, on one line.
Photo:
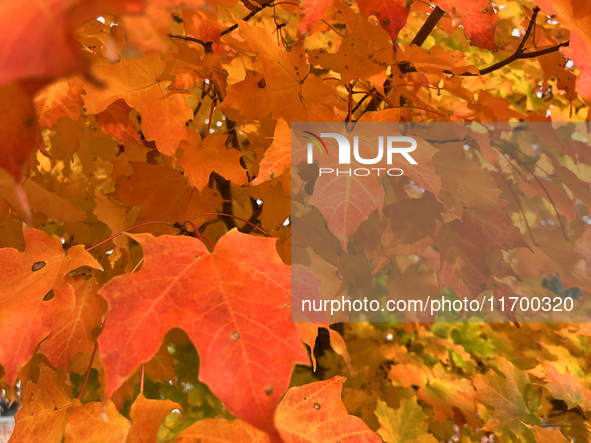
{"points": [[146, 197]]}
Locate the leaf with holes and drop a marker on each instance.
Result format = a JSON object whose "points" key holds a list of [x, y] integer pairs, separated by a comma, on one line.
{"points": [[32, 290]]}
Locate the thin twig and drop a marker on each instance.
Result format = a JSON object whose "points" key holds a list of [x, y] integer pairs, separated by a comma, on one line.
{"points": [[515, 56], [96, 343], [207, 45], [210, 117], [530, 27], [91, 360], [248, 17], [360, 102], [418, 40], [531, 234], [547, 195], [336, 31], [194, 229], [233, 216], [142, 376], [350, 108], [199, 234], [128, 229], [203, 94], [519, 56]]}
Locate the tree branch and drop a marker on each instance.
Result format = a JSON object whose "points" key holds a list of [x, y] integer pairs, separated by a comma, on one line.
{"points": [[418, 40], [428, 26], [503, 63], [517, 55], [209, 45], [530, 28], [247, 18], [425, 31]]}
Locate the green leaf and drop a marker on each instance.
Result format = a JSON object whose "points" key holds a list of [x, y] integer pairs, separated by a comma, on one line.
{"points": [[403, 425], [504, 392]]}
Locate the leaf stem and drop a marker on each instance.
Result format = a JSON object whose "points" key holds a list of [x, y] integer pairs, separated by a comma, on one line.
{"points": [[207, 45], [137, 266], [531, 234], [247, 18], [547, 195], [125, 230], [233, 216], [91, 359], [350, 89], [142, 377], [96, 343], [210, 117], [201, 236]]}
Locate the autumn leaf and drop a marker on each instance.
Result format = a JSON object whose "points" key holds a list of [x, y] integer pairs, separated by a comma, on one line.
{"points": [[362, 54], [202, 26], [403, 425], [39, 199], [465, 181], [280, 88], [92, 422], [550, 436], [227, 312], [211, 430], [154, 138], [566, 387], [72, 330], [139, 82], [43, 416], [391, 15], [53, 52], [115, 120], [412, 226], [479, 20], [61, 99], [32, 291], [315, 412], [465, 267], [448, 396], [578, 21], [146, 416], [18, 127], [164, 194], [190, 68], [201, 157], [505, 394], [312, 12], [309, 333], [277, 158]]}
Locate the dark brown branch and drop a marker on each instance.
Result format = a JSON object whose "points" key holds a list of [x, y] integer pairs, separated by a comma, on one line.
{"points": [[530, 28], [428, 26], [207, 45], [225, 190], [248, 17], [522, 55], [424, 32], [360, 102], [418, 40], [517, 55], [503, 63]]}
